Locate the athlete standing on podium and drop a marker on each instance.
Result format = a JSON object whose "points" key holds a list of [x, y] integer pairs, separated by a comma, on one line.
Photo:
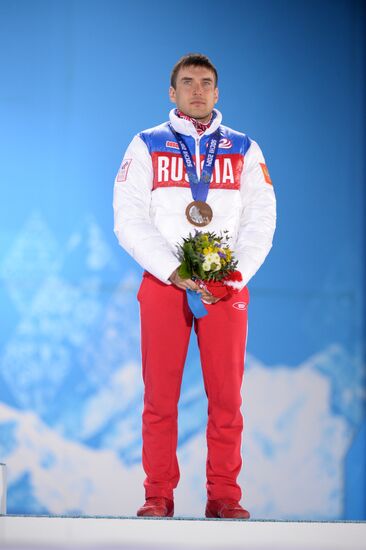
{"points": [[152, 191]]}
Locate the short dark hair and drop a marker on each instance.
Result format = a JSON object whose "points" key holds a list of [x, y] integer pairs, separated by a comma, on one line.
{"points": [[196, 59]]}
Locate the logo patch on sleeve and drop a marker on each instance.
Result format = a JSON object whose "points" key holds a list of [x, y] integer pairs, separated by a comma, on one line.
{"points": [[266, 175], [172, 144], [123, 170]]}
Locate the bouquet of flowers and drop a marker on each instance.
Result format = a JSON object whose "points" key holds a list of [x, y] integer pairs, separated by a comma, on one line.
{"points": [[208, 260]]}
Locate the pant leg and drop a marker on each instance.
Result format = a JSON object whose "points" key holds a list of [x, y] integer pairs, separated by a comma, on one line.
{"points": [[166, 324], [222, 338]]}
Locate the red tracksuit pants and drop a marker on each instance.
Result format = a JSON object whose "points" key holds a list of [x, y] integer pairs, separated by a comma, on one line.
{"points": [[166, 323]]}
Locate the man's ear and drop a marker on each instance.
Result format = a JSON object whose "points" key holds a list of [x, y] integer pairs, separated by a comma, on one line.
{"points": [[216, 95], [172, 96]]}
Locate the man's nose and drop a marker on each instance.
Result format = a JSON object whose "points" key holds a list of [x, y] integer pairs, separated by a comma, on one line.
{"points": [[197, 89]]}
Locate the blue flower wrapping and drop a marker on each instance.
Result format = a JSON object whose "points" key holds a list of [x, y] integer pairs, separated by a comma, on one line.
{"points": [[195, 303]]}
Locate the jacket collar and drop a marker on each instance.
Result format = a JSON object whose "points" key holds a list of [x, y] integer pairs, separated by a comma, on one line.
{"points": [[186, 127]]}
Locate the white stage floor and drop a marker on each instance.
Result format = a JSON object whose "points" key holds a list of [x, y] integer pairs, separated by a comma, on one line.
{"points": [[132, 533]]}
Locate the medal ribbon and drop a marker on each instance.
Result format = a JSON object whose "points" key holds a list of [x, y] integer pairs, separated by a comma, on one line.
{"points": [[199, 187]]}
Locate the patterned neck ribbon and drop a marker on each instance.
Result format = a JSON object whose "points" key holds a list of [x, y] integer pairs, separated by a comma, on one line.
{"points": [[200, 126]]}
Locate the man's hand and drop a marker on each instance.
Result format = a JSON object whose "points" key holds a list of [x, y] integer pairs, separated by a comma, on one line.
{"points": [[183, 283], [188, 283], [209, 298]]}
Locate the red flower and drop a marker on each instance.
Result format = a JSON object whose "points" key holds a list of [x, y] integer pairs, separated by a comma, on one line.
{"points": [[234, 276], [224, 288]]}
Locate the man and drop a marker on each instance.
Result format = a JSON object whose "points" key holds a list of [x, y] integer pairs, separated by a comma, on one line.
{"points": [[153, 199]]}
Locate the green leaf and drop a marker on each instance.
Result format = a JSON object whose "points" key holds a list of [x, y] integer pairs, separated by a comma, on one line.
{"points": [[184, 271]]}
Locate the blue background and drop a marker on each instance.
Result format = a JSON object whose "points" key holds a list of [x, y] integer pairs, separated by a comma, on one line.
{"points": [[79, 79]]}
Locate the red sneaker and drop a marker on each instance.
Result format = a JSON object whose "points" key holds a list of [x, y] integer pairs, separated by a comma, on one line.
{"points": [[225, 508], [157, 507]]}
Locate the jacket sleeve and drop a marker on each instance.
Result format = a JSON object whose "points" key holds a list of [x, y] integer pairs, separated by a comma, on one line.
{"points": [[258, 218], [133, 226]]}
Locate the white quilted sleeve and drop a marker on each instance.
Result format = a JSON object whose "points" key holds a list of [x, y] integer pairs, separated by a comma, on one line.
{"points": [[131, 205], [258, 218]]}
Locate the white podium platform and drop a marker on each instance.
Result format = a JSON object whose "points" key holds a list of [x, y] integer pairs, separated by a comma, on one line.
{"points": [[132, 533]]}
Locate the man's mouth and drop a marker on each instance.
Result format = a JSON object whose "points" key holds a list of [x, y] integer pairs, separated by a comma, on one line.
{"points": [[197, 102]]}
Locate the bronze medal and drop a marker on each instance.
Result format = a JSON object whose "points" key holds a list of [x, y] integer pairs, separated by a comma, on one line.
{"points": [[199, 213]]}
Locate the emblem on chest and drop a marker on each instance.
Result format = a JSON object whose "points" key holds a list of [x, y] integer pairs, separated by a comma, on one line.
{"points": [[169, 171]]}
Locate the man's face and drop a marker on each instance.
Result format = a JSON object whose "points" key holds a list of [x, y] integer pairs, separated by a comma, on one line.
{"points": [[195, 93]]}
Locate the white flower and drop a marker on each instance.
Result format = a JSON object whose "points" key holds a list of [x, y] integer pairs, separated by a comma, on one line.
{"points": [[211, 258]]}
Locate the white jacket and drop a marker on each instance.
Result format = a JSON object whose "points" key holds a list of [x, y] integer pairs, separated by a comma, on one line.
{"points": [[151, 192]]}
